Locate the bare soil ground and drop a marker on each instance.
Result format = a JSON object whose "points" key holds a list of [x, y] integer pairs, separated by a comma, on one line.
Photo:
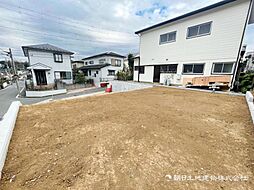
{"points": [[133, 141]]}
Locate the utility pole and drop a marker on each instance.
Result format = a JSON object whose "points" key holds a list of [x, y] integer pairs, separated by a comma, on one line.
{"points": [[14, 70]]}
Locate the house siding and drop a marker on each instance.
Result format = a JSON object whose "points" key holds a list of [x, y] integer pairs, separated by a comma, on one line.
{"points": [[103, 72], [221, 45], [47, 58]]}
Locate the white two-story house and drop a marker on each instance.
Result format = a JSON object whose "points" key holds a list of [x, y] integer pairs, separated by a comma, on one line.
{"points": [[205, 42], [48, 64], [103, 67]]}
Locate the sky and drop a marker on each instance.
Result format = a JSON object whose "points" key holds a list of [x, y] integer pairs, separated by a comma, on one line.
{"points": [[88, 27]]}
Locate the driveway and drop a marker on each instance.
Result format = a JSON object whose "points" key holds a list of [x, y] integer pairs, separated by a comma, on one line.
{"points": [[8, 95]]}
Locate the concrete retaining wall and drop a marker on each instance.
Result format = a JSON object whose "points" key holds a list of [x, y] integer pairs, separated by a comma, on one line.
{"points": [[38, 94], [122, 86], [249, 100], [6, 128]]}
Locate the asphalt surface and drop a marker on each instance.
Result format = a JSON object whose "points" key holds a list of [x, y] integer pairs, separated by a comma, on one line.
{"points": [[9, 94]]}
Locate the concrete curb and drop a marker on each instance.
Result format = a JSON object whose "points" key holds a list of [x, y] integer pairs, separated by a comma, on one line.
{"points": [[202, 90], [40, 94], [6, 128], [70, 98], [249, 100]]}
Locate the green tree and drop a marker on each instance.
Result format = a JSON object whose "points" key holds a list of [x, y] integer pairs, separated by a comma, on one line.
{"points": [[131, 62], [80, 78]]}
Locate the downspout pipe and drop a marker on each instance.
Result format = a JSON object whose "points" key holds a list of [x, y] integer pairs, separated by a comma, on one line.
{"points": [[240, 48], [138, 68]]}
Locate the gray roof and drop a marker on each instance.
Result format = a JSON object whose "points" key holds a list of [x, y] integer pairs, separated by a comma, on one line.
{"points": [[45, 47], [104, 54], [97, 66]]}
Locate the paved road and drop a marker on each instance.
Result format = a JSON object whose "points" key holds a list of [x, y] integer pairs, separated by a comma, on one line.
{"points": [[8, 95]]}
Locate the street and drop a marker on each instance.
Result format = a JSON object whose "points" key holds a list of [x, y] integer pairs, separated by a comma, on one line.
{"points": [[8, 95]]}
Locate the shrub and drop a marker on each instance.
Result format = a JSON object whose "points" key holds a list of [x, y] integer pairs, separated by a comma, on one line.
{"points": [[124, 75], [246, 82], [80, 78]]}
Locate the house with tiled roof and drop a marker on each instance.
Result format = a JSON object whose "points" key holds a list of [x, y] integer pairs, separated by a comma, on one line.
{"points": [[103, 66], [48, 64]]}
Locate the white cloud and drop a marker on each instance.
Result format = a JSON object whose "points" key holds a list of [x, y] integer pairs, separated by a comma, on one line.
{"points": [[88, 26]]}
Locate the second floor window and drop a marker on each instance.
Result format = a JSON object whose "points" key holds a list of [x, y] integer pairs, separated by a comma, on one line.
{"points": [[58, 57], [91, 62], [199, 30], [101, 61], [168, 38], [116, 62]]}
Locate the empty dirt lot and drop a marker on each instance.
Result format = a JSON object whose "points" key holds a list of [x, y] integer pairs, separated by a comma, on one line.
{"points": [[133, 140]]}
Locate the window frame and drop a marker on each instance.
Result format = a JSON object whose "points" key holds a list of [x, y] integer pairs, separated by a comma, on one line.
{"points": [[168, 65], [199, 35], [140, 69], [116, 62], [102, 61], [221, 73], [183, 73], [110, 70], [65, 78], [56, 57], [167, 42]]}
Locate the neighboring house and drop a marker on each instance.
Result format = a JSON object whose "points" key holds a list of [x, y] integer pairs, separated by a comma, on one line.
{"points": [[103, 67], [77, 64], [205, 42], [48, 64], [250, 61]]}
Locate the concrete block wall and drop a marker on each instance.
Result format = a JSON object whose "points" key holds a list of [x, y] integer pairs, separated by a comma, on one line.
{"points": [[249, 100]]}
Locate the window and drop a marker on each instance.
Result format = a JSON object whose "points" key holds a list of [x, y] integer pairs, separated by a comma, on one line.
{"points": [[101, 61], [111, 72], [219, 68], [86, 63], [85, 72], [91, 62], [193, 68], [168, 37], [58, 57], [168, 68], [65, 75], [90, 72], [141, 69], [116, 62], [97, 72], [199, 30]]}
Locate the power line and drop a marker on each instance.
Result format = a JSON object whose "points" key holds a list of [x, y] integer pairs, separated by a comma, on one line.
{"points": [[58, 18], [57, 36]]}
